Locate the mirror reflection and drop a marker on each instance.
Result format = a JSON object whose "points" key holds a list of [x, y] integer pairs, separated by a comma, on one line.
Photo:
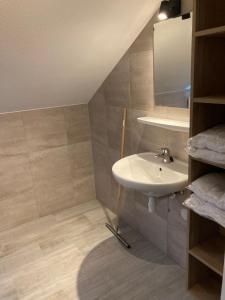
{"points": [[172, 62]]}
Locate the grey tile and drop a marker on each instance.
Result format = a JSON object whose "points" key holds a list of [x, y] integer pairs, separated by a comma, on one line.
{"points": [[177, 231], [102, 174], [177, 144], [53, 184], [15, 176], [51, 166], [54, 197], [81, 161], [128, 209], [46, 141], [43, 121], [142, 80], [117, 85], [150, 224], [44, 129], [84, 188], [11, 127], [114, 126], [77, 123], [98, 118], [161, 204], [147, 138], [18, 209]]}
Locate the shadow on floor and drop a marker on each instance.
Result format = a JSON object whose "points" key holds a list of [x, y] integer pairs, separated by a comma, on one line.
{"points": [[111, 272]]}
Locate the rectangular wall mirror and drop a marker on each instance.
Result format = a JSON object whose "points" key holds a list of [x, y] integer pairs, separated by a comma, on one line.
{"points": [[172, 62]]}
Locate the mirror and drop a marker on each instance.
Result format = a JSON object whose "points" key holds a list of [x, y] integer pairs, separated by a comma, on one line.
{"points": [[172, 62]]}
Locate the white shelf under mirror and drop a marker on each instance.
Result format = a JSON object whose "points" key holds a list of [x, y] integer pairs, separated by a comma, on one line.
{"points": [[174, 125]]}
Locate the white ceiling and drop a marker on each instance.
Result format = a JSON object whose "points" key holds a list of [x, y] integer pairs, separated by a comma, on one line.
{"points": [[58, 52]]}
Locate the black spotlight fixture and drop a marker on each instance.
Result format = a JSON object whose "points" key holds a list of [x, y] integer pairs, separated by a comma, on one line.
{"points": [[169, 9]]}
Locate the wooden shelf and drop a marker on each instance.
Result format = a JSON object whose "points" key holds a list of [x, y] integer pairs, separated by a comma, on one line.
{"points": [[217, 31], [211, 253], [210, 99], [209, 13], [209, 289], [217, 165]]}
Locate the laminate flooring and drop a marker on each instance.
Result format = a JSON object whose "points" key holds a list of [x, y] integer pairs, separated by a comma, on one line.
{"points": [[70, 255]]}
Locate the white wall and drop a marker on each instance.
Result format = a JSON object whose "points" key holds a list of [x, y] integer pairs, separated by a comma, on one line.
{"points": [[58, 52]]}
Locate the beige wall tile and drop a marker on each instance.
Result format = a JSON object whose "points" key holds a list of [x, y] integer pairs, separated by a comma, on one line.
{"points": [[84, 188], [142, 80], [13, 147], [46, 141], [46, 163], [15, 176], [114, 126], [43, 121], [16, 210], [102, 173], [81, 162], [45, 129], [7, 290], [77, 123], [54, 197], [98, 118], [52, 165], [11, 127], [117, 85]]}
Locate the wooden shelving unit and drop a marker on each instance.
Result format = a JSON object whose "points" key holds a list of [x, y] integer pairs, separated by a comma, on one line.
{"points": [[206, 238], [211, 253]]}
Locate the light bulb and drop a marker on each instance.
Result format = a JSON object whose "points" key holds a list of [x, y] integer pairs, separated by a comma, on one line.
{"points": [[162, 16]]}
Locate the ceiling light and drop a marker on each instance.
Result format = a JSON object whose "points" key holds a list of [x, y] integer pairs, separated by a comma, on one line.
{"points": [[162, 16]]}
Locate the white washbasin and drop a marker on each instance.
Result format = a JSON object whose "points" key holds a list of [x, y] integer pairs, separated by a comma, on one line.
{"points": [[143, 172]]}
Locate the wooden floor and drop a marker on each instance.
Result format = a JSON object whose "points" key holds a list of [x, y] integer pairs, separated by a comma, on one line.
{"points": [[71, 255]]}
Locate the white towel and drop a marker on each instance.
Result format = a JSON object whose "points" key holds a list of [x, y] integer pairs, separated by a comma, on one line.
{"points": [[211, 188], [206, 154], [205, 209], [211, 139]]}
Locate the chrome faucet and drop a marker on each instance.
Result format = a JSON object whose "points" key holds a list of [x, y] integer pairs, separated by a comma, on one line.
{"points": [[164, 153]]}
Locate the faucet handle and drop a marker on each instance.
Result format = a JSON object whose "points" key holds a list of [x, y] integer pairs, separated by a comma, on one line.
{"points": [[164, 151], [161, 152]]}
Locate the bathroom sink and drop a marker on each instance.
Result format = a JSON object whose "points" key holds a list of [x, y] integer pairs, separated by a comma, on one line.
{"points": [[148, 174]]}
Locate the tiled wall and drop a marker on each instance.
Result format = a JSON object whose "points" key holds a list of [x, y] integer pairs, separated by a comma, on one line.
{"points": [[45, 163], [131, 85]]}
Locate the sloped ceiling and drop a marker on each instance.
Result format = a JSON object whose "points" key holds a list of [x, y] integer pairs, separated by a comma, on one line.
{"points": [[58, 52]]}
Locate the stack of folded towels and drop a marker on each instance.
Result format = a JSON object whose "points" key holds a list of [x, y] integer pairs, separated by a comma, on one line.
{"points": [[208, 198], [209, 145]]}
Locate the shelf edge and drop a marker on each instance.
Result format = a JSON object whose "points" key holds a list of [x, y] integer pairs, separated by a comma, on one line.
{"points": [[174, 125]]}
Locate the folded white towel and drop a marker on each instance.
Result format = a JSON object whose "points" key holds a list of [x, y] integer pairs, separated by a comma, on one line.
{"points": [[206, 154], [212, 139], [205, 209], [211, 188]]}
